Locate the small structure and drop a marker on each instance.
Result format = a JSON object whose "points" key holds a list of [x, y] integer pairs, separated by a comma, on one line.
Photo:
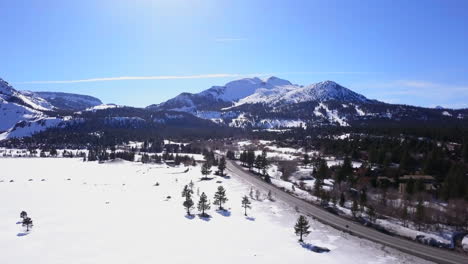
{"points": [[427, 180]]}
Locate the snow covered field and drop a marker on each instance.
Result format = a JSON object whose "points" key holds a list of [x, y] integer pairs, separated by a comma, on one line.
{"points": [[85, 212]]}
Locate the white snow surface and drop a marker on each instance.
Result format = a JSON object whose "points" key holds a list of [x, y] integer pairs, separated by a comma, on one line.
{"points": [[86, 212]]}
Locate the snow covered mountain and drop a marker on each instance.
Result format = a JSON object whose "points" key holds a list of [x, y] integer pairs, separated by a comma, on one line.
{"points": [[291, 94], [274, 102], [245, 103], [23, 113], [16, 106], [218, 97], [67, 101]]}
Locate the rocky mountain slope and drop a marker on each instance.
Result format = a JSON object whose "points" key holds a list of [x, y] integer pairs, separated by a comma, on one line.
{"points": [[67, 101]]}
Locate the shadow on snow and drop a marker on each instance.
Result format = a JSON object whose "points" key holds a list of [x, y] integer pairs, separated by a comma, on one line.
{"points": [[224, 212], [313, 248]]}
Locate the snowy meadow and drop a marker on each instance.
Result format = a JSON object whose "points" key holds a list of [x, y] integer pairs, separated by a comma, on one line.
{"points": [[127, 212]]}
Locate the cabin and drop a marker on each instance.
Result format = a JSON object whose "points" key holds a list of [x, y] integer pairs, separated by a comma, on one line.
{"points": [[427, 180]]}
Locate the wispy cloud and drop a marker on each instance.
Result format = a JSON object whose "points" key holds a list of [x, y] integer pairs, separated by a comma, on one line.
{"points": [[229, 39], [182, 77], [157, 77]]}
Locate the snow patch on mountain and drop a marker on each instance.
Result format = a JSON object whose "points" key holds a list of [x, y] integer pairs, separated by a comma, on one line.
{"points": [[292, 94], [67, 101], [332, 116], [102, 107], [28, 128], [11, 113]]}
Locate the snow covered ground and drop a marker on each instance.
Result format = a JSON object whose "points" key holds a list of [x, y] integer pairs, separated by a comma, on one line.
{"points": [[85, 212]]}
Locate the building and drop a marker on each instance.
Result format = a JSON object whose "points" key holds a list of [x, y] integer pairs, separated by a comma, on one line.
{"points": [[427, 180]]}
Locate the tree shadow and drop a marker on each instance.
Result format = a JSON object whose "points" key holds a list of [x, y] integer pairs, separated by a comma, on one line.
{"points": [[205, 217], [22, 234], [313, 248], [19, 222], [206, 179], [190, 217], [224, 212], [250, 218]]}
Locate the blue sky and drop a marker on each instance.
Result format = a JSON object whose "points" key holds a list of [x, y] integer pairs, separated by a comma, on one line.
{"points": [[411, 52]]}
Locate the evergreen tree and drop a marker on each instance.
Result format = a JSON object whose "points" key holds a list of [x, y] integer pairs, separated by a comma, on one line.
{"points": [[410, 186], [264, 165], [306, 160], [188, 203], [27, 222], [220, 197], [354, 208], [270, 196], [191, 184], [206, 169], [222, 165], [187, 191], [318, 187], [203, 204], [342, 199], [23, 214], [465, 150], [363, 199], [302, 227], [250, 158], [258, 163], [371, 213], [420, 213], [246, 204]]}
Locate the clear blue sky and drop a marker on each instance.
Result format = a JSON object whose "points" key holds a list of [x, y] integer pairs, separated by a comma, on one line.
{"points": [[412, 52]]}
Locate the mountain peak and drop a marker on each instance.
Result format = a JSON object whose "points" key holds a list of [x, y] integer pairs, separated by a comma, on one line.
{"points": [[275, 81], [6, 88]]}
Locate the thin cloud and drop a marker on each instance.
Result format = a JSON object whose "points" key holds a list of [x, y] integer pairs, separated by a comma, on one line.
{"points": [[159, 77], [179, 77]]}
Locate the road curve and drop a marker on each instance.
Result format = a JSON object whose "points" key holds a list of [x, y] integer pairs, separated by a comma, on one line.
{"points": [[404, 245]]}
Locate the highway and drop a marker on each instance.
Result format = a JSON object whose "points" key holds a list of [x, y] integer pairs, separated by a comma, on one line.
{"points": [[416, 249]]}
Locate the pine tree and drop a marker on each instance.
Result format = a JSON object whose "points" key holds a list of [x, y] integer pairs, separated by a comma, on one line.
{"points": [[258, 163], [318, 187], [420, 213], [342, 199], [186, 191], [302, 227], [250, 159], [206, 169], [371, 213], [363, 199], [246, 204], [23, 214], [222, 165], [354, 208], [465, 150], [188, 203], [410, 186], [27, 222], [306, 160], [264, 164], [191, 185], [270, 196], [220, 197], [203, 204]]}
